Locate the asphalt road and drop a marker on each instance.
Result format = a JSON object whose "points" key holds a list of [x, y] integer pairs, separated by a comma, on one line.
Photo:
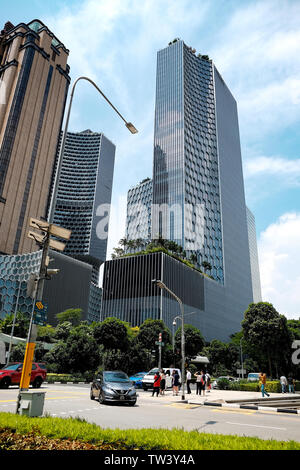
{"points": [[153, 412]]}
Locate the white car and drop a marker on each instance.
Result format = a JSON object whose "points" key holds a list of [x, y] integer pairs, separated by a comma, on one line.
{"points": [[253, 376], [148, 379], [227, 377]]}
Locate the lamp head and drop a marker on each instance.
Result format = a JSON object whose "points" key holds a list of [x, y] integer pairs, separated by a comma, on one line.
{"points": [[158, 283], [131, 127]]}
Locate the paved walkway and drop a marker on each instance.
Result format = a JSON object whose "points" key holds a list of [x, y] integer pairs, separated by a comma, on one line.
{"points": [[220, 396]]}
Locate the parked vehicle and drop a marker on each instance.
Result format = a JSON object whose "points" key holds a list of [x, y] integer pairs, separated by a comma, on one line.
{"points": [[11, 374], [253, 376], [148, 380], [113, 387], [226, 377], [137, 379]]}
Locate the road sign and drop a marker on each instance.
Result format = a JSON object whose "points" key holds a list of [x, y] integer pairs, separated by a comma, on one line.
{"points": [[55, 244], [159, 343], [39, 224], [241, 371], [60, 232], [51, 228], [40, 313]]}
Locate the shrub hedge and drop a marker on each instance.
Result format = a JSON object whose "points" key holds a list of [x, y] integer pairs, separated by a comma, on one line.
{"points": [[64, 378], [271, 386]]}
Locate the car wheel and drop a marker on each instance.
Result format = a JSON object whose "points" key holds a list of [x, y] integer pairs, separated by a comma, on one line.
{"points": [[92, 395], [145, 388], [37, 382], [5, 383], [132, 403], [101, 399]]}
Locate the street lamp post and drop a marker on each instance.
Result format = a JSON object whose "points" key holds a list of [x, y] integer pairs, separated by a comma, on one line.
{"points": [[241, 347], [129, 126], [51, 211], [173, 332], [161, 285]]}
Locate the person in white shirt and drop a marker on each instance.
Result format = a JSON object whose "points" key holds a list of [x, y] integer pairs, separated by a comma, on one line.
{"points": [[188, 381], [283, 382], [207, 376]]}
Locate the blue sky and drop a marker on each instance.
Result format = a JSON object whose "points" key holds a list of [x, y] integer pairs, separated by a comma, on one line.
{"points": [[256, 47]]}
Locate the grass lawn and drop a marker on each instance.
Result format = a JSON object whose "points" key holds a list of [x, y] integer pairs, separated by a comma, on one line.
{"points": [[22, 432]]}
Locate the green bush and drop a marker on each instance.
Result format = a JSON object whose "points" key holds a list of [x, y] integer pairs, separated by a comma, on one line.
{"points": [[271, 386], [223, 384], [64, 378]]}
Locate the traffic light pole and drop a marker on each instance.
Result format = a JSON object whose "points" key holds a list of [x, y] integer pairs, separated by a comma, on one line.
{"points": [[32, 331]]}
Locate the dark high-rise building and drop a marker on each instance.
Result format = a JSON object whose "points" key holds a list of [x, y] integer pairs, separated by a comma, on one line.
{"points": [[34, 79], [198, 197]]}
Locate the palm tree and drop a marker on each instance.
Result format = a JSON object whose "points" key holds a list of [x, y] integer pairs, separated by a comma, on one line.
{"points": [[123, 242], [206, 265], [194, 258]]}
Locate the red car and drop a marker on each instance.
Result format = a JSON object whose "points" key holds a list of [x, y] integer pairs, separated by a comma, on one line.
{"points": [[11, 374]]}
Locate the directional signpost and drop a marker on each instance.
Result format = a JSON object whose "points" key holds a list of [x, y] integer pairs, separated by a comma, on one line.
{"points": [[40, 313]]}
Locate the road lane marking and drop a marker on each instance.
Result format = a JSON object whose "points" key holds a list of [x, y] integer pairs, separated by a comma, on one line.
{"points": [[233, 410], [256, 426]]}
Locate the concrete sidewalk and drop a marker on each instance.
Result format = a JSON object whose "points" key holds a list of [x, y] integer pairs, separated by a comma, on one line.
{"points": [[215, 395]]}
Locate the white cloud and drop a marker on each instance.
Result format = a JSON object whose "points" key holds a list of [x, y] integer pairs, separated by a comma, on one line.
{"points": [[257, 52], [279, 256], [288, 171]]}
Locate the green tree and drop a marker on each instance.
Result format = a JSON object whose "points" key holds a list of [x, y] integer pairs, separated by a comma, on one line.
{"points": [[267, 330], [79, 352], [194, 341], [62, 331], [216, 352], [148, 335], [72, 315], [206, 266], [149, 332], [112, 333], [46, 334], [21, 324], [294, 328]]}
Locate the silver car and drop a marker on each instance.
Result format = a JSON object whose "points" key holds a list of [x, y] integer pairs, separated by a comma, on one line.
{"points": [[113, 387]]}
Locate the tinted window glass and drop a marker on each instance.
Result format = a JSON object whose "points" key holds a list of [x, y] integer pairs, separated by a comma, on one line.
{"points": [[115, 377], [12, 366]]}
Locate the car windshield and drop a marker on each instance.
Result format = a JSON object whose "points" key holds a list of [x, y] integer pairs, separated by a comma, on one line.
{"points": [[253, 375], [12, 366], [153, 372], [115, 377]]}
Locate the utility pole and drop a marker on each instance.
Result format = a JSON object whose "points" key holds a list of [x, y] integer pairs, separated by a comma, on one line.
{"points": [[35, 289]]}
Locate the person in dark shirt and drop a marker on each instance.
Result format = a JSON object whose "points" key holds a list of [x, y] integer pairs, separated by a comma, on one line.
{"points": [[175, 382]]}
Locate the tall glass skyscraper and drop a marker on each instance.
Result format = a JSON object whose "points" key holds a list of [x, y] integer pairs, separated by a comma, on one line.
{"points": [[139, 202], [84, 193], [83, 202], [186, 183], [198, 197]]}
